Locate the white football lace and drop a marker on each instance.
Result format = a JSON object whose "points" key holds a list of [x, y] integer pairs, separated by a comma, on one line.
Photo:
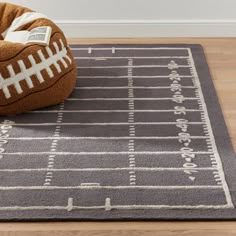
{"points": [[35, 69]]}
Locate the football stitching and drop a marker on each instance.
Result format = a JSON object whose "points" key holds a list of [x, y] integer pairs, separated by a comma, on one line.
{"points": [[38, 91], [35, 69]]}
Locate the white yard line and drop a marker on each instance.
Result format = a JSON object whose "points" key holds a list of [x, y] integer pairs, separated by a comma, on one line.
{"points": [[126, 99], [103, 153], [111, 111], [105, 138], [125, 76], [109, 169], [134, 66], [134, 87], [109, 187], [125, 49], [104, 123], [104, 58]]}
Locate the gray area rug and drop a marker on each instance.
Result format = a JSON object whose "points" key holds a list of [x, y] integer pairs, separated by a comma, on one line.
{"points": [[141, 137]]}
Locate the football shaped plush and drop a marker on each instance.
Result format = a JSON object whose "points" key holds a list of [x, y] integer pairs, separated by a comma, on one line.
{"points": [[32, 76]]}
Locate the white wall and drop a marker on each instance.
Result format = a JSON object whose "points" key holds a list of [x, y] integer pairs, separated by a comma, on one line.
{"points": [[140, 18]]}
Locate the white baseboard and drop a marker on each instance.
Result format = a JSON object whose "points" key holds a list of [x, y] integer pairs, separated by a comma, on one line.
{"points": [[148, 28]]}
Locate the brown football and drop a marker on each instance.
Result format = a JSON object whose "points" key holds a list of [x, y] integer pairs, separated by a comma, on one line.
{"points": [[32, 76]]}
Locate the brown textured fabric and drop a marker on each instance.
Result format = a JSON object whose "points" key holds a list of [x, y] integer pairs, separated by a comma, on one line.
{"points": [[8, 12], [40, 89]]}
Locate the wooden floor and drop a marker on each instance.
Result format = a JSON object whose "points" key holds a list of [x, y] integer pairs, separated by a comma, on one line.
{"points": [[221, 57]]}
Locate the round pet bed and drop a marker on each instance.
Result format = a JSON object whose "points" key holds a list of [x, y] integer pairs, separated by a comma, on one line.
{"points": [[32, 76]]}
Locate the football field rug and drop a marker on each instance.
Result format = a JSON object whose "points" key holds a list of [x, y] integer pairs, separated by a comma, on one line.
{"points": [[141, 137]]}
